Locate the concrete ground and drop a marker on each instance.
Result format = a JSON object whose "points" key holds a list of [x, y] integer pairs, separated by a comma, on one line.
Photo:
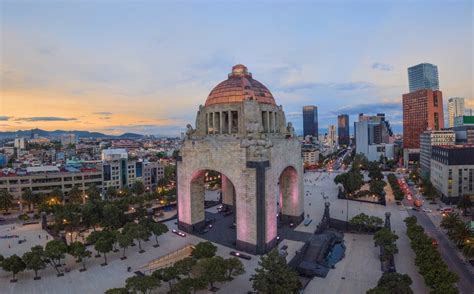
{"points": [[356, 273], [360, 268]]}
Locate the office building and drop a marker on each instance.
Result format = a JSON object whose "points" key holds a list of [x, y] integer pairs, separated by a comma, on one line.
{"points": [[343, 130], [428, 139], [455, 109], [310, 121], [422, 111], [331, 139], [310, 154], [20, 143], [372, 136], [112, 154], [68, 139], [452, 171], [423, 76], [44, 179]]}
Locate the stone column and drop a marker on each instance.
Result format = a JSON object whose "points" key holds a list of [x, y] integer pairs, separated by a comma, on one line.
{"points": [[209, 122], [230, 121], [221, 128], [268, 122], [228, 192]]}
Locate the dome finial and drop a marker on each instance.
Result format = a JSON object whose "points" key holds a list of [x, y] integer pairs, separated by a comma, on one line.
{"points": [[239, 70]]}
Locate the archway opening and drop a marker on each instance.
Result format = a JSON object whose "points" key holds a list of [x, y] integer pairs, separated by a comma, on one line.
{"points": [[289, 190], [213, 207]]}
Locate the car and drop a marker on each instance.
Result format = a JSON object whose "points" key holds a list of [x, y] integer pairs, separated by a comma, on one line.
{"points": [[203, 231], [179, 233], [427, 210], [240, 255], [447, 210], [415, 208], [434, 242]]}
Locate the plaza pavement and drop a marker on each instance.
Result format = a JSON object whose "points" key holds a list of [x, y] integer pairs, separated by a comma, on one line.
{"points": [[360, 268]]}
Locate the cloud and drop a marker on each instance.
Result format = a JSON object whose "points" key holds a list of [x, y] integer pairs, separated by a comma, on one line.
{"points": [[4, 117], [102, 113], [371, 108], [382, 66], [46, 118], [351, 86]]}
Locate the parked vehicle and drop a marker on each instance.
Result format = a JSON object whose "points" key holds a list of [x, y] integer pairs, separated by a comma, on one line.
{"points": [[240, 255], [427, 210]]}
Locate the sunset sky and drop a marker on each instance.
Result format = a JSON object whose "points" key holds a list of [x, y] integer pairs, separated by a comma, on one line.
{"points": [[144, 67]]}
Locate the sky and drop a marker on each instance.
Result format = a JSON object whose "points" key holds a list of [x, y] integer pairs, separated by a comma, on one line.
{"points": [[146, 66]]}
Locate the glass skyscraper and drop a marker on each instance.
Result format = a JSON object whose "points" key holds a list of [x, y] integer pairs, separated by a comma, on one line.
{"points": [[423, 76], [310, 121], [343, 130]]}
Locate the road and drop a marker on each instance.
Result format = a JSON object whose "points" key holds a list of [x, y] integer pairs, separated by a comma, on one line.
{"points": [[446, 248]]}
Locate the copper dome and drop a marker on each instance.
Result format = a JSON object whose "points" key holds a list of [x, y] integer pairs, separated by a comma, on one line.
{"points": [[238, 87]]}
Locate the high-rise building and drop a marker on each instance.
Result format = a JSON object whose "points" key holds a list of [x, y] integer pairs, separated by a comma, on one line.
{"points": [[455, 109], [343, 130], [423, 76], [332, 135], [422, 111], [20, 143], [310, 121], [428, 139], [452, 171], [68, 139], [372, 136]]}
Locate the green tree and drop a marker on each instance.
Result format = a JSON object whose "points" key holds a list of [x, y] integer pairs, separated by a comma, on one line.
{"points": [[117, 291], [13, 264], [234, 267], [157, 229], [450, 221], [204, 250], [75, 195], [392, 283], [375, 174], [385, 239], [274, 276], [377, 187], [111, 193], [80, 252], [168, 275], [143, 284], [212, 269], [138, 188], [93, 193], [28, 196], [184, 266], [104, 245], [170, 172], [359, 220], [465, 203], [138, 232], [91, 214], [6, 200], [468, 250], [54, 251], [111, 216], [35, 259], [124, 240], [188, 285], [429, 191], [57, 194], [460, 233]]}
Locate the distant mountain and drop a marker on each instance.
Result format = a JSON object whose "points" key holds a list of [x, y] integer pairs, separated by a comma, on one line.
{"points": [[58, 133]]}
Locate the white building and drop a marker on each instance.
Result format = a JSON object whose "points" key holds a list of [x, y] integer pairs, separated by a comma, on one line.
{"points": [[370, 142], [20, 143], [120, 173], [455, 108], [68, 139], [428, 139], [114, 154]]}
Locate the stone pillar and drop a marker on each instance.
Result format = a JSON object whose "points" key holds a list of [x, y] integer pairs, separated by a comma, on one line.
{"points": [[221, 128], [268, 122], [191, 202], [387, 221], [228, 192], [213, 122], [209, 122], [230, 122]]}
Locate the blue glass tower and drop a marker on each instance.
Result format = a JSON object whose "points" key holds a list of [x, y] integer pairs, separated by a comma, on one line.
{"points": [[310, 121], [423, 76]]}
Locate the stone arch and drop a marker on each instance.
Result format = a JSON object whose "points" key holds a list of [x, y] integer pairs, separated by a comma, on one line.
{"points": [[194, 213], [290, 203]]}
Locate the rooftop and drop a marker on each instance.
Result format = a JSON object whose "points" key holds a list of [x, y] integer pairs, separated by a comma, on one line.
{"points": [[238, 87]]}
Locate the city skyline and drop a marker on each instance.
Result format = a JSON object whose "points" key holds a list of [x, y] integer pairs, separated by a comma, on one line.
{"points": [[134, 68]]}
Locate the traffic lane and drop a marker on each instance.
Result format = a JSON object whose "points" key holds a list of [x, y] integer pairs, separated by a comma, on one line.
{"points": [[448, 252]]}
